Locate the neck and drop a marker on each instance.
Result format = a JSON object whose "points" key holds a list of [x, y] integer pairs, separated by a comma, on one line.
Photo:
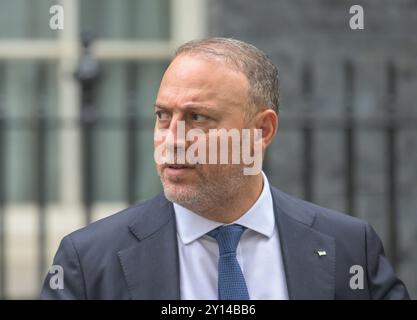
{"points": [[236, 206]]}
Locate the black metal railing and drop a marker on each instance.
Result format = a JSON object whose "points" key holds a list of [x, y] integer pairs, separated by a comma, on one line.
{"points": [[307, 122], [3, 275], [41, 163]]}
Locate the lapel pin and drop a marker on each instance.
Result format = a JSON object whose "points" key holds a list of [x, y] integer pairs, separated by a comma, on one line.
{"points": [[321, 253]]}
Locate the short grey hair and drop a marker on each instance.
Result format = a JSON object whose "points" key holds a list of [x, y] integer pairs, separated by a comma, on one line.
{"points": [[261, 73]]}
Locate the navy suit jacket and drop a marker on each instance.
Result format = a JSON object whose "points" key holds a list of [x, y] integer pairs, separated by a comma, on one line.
{"points": [[134, 255]]}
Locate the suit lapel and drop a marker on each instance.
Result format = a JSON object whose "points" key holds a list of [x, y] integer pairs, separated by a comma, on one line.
{"points": [[308, 275], [151, 265]]}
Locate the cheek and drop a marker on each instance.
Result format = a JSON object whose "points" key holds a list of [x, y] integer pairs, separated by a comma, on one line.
{"points": [[159, 136], [212, 171]]}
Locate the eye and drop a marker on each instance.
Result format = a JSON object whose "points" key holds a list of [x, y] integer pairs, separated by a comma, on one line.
{"points": [[198, 117], [162, 115]]}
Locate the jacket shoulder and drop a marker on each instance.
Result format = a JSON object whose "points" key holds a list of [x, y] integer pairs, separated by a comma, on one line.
{"points": [[114, 229], [323, 219]]}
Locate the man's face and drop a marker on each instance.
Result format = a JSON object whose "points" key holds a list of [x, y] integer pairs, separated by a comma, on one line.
{"points": [[204, 94]]}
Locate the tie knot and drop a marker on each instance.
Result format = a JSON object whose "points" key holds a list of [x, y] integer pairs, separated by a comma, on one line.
{"points": [[227, 237]]}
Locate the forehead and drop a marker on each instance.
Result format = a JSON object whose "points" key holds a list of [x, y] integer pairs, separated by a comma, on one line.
{"points": [[199, 79]]}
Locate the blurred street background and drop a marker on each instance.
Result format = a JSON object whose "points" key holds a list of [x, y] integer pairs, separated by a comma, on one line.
{"points": [[76, 113]]}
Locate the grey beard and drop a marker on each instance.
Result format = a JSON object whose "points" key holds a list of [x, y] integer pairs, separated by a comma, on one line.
{"points": [[207, 195]]}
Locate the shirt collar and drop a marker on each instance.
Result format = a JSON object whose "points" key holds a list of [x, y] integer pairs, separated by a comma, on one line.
{"points": [[259, 218]]}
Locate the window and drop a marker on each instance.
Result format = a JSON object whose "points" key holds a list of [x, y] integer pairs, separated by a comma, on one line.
{"points": [[134, 42]]}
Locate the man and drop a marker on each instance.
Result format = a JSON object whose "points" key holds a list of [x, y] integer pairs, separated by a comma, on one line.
{"points": [[216, 232]]}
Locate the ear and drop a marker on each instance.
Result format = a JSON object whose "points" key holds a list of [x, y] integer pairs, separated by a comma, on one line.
{"points": [[267, 120]]}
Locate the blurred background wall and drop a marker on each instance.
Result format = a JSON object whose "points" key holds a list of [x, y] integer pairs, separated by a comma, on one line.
{"points": [[74, 151]]}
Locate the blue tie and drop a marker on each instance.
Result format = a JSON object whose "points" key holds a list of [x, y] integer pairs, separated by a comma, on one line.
{"points": [[231, 283]]}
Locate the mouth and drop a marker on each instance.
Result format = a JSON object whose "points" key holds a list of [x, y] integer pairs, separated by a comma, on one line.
{"points": [[177, 169], [179, 166]]}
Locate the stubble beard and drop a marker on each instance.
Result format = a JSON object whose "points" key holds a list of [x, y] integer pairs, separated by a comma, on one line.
{"points": [[208, 191]]}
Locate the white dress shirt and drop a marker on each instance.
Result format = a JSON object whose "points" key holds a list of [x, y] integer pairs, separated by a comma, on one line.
{"points": [[258, 252]]}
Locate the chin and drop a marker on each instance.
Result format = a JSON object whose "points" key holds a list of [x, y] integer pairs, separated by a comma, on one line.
{"points": [[180, 195]]}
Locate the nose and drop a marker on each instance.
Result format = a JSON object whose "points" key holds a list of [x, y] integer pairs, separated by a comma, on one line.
{"points": [[177, 132]]}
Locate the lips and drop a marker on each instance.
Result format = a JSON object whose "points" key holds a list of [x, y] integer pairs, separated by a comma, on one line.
{"points": [[177, 170], [178, 166]]}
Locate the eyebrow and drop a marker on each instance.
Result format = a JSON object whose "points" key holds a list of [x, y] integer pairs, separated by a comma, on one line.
{"points": [[188, 107]]}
